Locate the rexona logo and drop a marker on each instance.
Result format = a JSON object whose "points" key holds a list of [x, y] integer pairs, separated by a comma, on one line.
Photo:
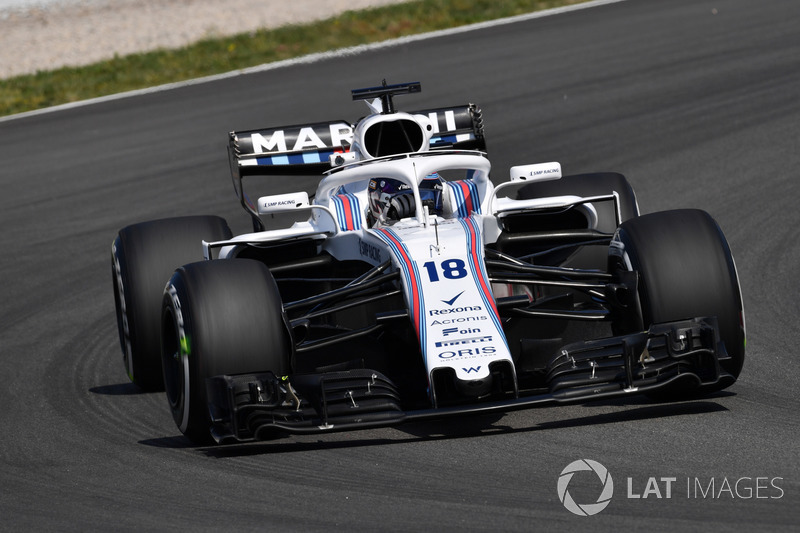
{"points": [[606, 492], [454, 310]]}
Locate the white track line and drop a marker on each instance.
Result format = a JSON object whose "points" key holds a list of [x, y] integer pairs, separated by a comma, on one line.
{"points": [[315, 58]]}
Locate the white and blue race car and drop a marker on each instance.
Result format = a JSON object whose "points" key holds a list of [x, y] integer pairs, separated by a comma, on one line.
{"points": [[412, 286]]}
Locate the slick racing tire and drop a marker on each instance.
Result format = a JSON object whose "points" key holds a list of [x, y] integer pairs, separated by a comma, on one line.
{"points": [[143, 257], [218, 317], [586, 185], [685, 270]]}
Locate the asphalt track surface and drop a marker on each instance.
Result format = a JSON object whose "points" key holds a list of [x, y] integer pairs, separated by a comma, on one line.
{"points": [[695, 101]]}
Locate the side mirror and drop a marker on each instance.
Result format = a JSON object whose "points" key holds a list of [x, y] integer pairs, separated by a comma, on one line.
{"points": [[537, 172]]}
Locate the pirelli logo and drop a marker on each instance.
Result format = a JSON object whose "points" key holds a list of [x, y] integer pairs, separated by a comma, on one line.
{"points": [[460, 342]]}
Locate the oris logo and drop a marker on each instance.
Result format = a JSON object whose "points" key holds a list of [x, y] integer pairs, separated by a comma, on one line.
{"points": [[606, 492], [468, 353]]}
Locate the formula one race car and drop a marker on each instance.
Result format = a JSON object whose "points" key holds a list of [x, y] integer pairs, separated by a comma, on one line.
{"points": [[412, 287]]}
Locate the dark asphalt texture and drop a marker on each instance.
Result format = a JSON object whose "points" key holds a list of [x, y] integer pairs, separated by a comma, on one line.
{"points": [[695, 101]]}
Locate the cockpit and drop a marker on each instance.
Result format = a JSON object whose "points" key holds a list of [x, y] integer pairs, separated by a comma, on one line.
{"points": [[382, 192]]}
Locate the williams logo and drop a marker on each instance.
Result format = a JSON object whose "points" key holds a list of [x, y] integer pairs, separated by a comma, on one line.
{"points": [[585, 509]]}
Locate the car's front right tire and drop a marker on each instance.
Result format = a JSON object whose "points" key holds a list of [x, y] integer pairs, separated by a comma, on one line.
{"points": [[143, 257]]}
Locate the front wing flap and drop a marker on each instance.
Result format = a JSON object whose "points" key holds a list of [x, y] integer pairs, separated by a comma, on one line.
{"points": [[684, 354]]}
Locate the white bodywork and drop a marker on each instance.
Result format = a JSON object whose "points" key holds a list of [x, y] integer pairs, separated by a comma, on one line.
{"points": [[448, 294], [447, 291]]}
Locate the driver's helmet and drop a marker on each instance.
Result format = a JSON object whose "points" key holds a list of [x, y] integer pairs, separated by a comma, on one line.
{"points": [[390, 199]]}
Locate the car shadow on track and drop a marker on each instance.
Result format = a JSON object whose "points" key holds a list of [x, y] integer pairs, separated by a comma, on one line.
{"points": [[448, 429], [118, 389], [651, 411]]}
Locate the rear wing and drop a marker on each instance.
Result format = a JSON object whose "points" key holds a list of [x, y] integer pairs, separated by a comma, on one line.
{"points": [[306, 149]]}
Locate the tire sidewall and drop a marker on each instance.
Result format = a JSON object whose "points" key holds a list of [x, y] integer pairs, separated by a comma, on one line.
{"points": [[122, 305]]}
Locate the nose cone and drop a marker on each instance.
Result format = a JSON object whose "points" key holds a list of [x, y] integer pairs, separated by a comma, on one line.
{"points": [[474, 388]]}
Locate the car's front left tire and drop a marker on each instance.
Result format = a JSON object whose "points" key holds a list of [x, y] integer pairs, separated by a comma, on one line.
{"points": [[685, 270], [218, 317]]}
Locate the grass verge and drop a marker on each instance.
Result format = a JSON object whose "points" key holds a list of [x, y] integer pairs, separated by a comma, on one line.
{"points": [[214, 56]]}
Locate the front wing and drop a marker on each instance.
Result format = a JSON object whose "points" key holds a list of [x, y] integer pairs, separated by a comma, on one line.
{"points": [[263, 406]]}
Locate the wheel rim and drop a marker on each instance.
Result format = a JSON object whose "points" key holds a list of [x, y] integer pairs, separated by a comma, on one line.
{"points": [[175, 351], [173, 376]]}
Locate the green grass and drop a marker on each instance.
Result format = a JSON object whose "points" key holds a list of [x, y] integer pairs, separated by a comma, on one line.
{"points": [[214, 56]]}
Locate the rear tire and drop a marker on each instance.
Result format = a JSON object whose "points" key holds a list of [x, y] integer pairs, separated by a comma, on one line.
{"points": [[685, 270], [219, 317], [143, 256]]}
